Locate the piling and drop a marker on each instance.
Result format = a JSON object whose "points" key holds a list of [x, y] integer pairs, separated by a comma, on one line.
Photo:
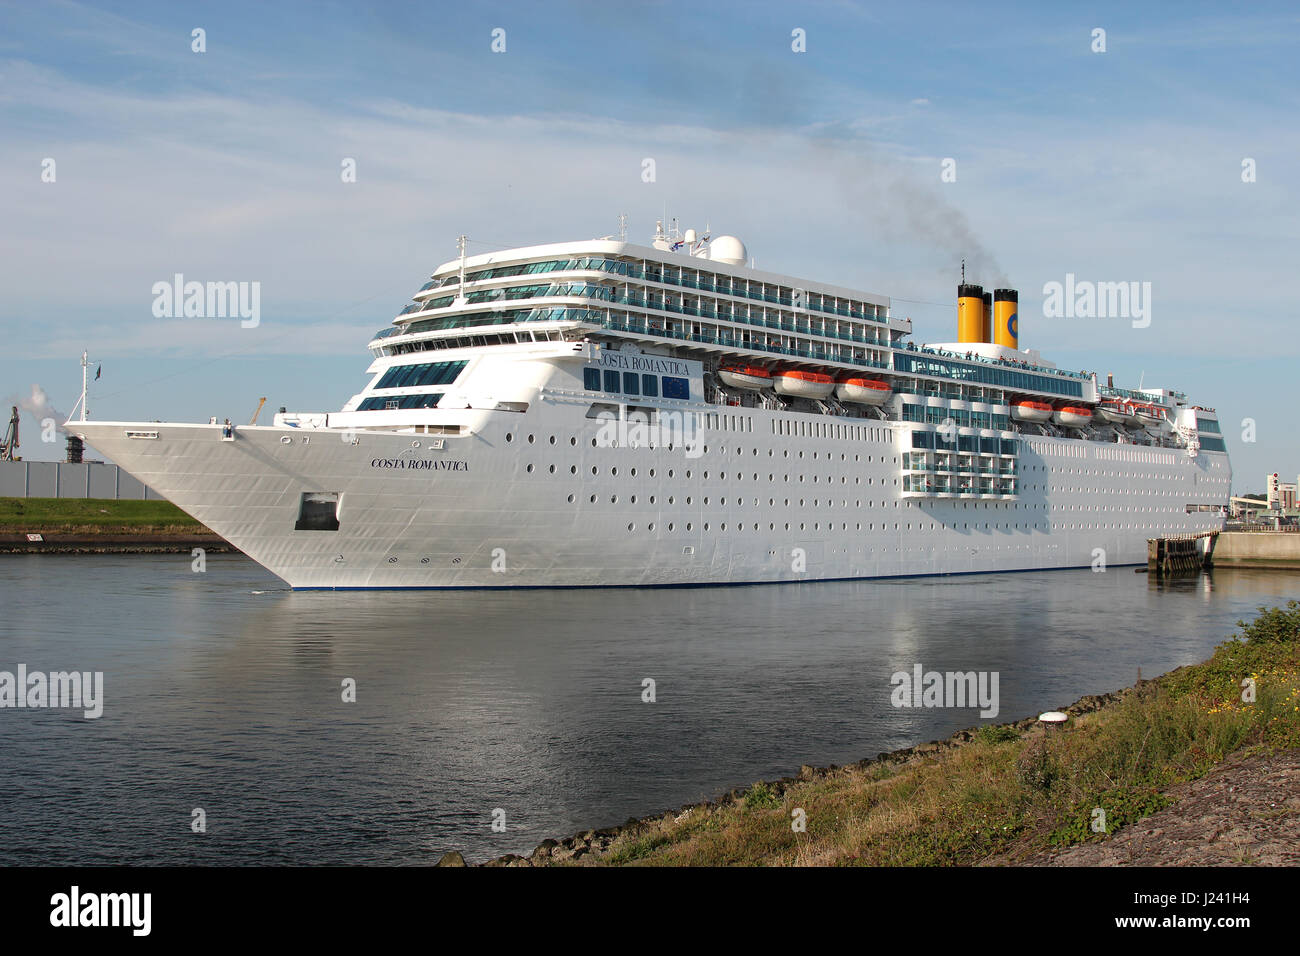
{"points": [[1180, 554]]}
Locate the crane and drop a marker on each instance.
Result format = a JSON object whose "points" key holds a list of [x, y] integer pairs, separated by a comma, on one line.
{"points": [[10, 442]]}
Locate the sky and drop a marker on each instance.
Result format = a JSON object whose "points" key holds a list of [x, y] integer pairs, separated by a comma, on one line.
{"points": [[902, 139]]}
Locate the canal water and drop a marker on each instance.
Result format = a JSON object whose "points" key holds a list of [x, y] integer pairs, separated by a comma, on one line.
{"points": [[225, 694]]}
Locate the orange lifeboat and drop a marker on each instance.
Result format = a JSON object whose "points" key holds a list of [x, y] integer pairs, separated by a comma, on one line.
{"points": [[1028, 411], [744, 376], [863, 391], [804, 384], [1074, 416]]}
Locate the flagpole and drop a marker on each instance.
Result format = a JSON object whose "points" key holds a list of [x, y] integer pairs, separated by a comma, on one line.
{"points": [[85, 364]]}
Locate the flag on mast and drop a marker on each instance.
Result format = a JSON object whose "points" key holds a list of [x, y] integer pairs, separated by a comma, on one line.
{"points": [[98, 369]]}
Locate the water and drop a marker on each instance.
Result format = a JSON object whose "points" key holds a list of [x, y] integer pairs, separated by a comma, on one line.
{"points": [[224, 693]]}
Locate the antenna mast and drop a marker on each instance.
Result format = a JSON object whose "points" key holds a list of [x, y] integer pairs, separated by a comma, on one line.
{"points": [[460, 291], [85, 366]]}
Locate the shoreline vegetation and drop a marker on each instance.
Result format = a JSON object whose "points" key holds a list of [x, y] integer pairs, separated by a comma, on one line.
{"points": [[91, 525], [1020, 794]]}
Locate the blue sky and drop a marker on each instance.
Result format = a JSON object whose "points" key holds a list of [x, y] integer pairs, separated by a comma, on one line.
{"points": [[224, 165]]}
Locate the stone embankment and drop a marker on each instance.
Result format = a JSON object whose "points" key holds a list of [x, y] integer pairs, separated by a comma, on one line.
{"points": [[596, 842], [1279, 550], [144, 542]]}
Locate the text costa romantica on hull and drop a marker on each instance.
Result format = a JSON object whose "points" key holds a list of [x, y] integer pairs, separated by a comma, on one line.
{"points": [[424, 464]]}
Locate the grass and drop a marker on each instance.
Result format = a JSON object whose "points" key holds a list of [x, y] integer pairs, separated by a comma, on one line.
{"points": [[94, 516], [1006, 793]]}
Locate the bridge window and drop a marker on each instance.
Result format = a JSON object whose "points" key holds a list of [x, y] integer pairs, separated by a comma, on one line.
{"points": [[427, 373]]}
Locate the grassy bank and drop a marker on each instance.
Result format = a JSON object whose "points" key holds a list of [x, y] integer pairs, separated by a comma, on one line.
{"points": [[1000, 794], [94, 516]]}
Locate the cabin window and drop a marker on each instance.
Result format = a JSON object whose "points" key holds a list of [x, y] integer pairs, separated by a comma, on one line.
{"points": [[591, 379], [631, 383], [611, 380], [650, 386]]}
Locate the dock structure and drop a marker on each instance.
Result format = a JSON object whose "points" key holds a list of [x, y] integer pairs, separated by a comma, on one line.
{"points": [[1181, 554], [1267, 549]]}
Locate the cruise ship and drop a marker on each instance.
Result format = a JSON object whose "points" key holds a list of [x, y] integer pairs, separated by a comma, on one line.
{"points": [[602, 413]]}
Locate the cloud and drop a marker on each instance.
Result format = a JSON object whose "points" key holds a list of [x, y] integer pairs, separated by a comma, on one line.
{"points": [[229, 186]]}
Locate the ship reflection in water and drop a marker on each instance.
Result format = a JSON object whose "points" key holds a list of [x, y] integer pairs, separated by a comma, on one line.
{"points": [[224, 694]]}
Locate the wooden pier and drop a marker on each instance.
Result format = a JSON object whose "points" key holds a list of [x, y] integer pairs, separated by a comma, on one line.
{"points": [[1181, 554]]}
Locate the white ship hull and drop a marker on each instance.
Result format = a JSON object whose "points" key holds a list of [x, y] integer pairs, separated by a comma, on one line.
{"points": [[479, 518], [547, 417]]}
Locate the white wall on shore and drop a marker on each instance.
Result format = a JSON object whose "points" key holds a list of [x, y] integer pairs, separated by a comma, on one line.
{"points": [[60, 479]]}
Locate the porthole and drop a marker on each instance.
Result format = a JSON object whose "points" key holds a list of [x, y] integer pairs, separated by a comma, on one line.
{"points": [[509, 437], [570, 499]]}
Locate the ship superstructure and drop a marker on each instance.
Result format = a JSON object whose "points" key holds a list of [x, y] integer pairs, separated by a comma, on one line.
{"points": [[605, 413]]}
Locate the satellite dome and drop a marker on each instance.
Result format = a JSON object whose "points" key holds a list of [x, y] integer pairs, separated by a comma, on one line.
{"points": [[728, 249]]}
